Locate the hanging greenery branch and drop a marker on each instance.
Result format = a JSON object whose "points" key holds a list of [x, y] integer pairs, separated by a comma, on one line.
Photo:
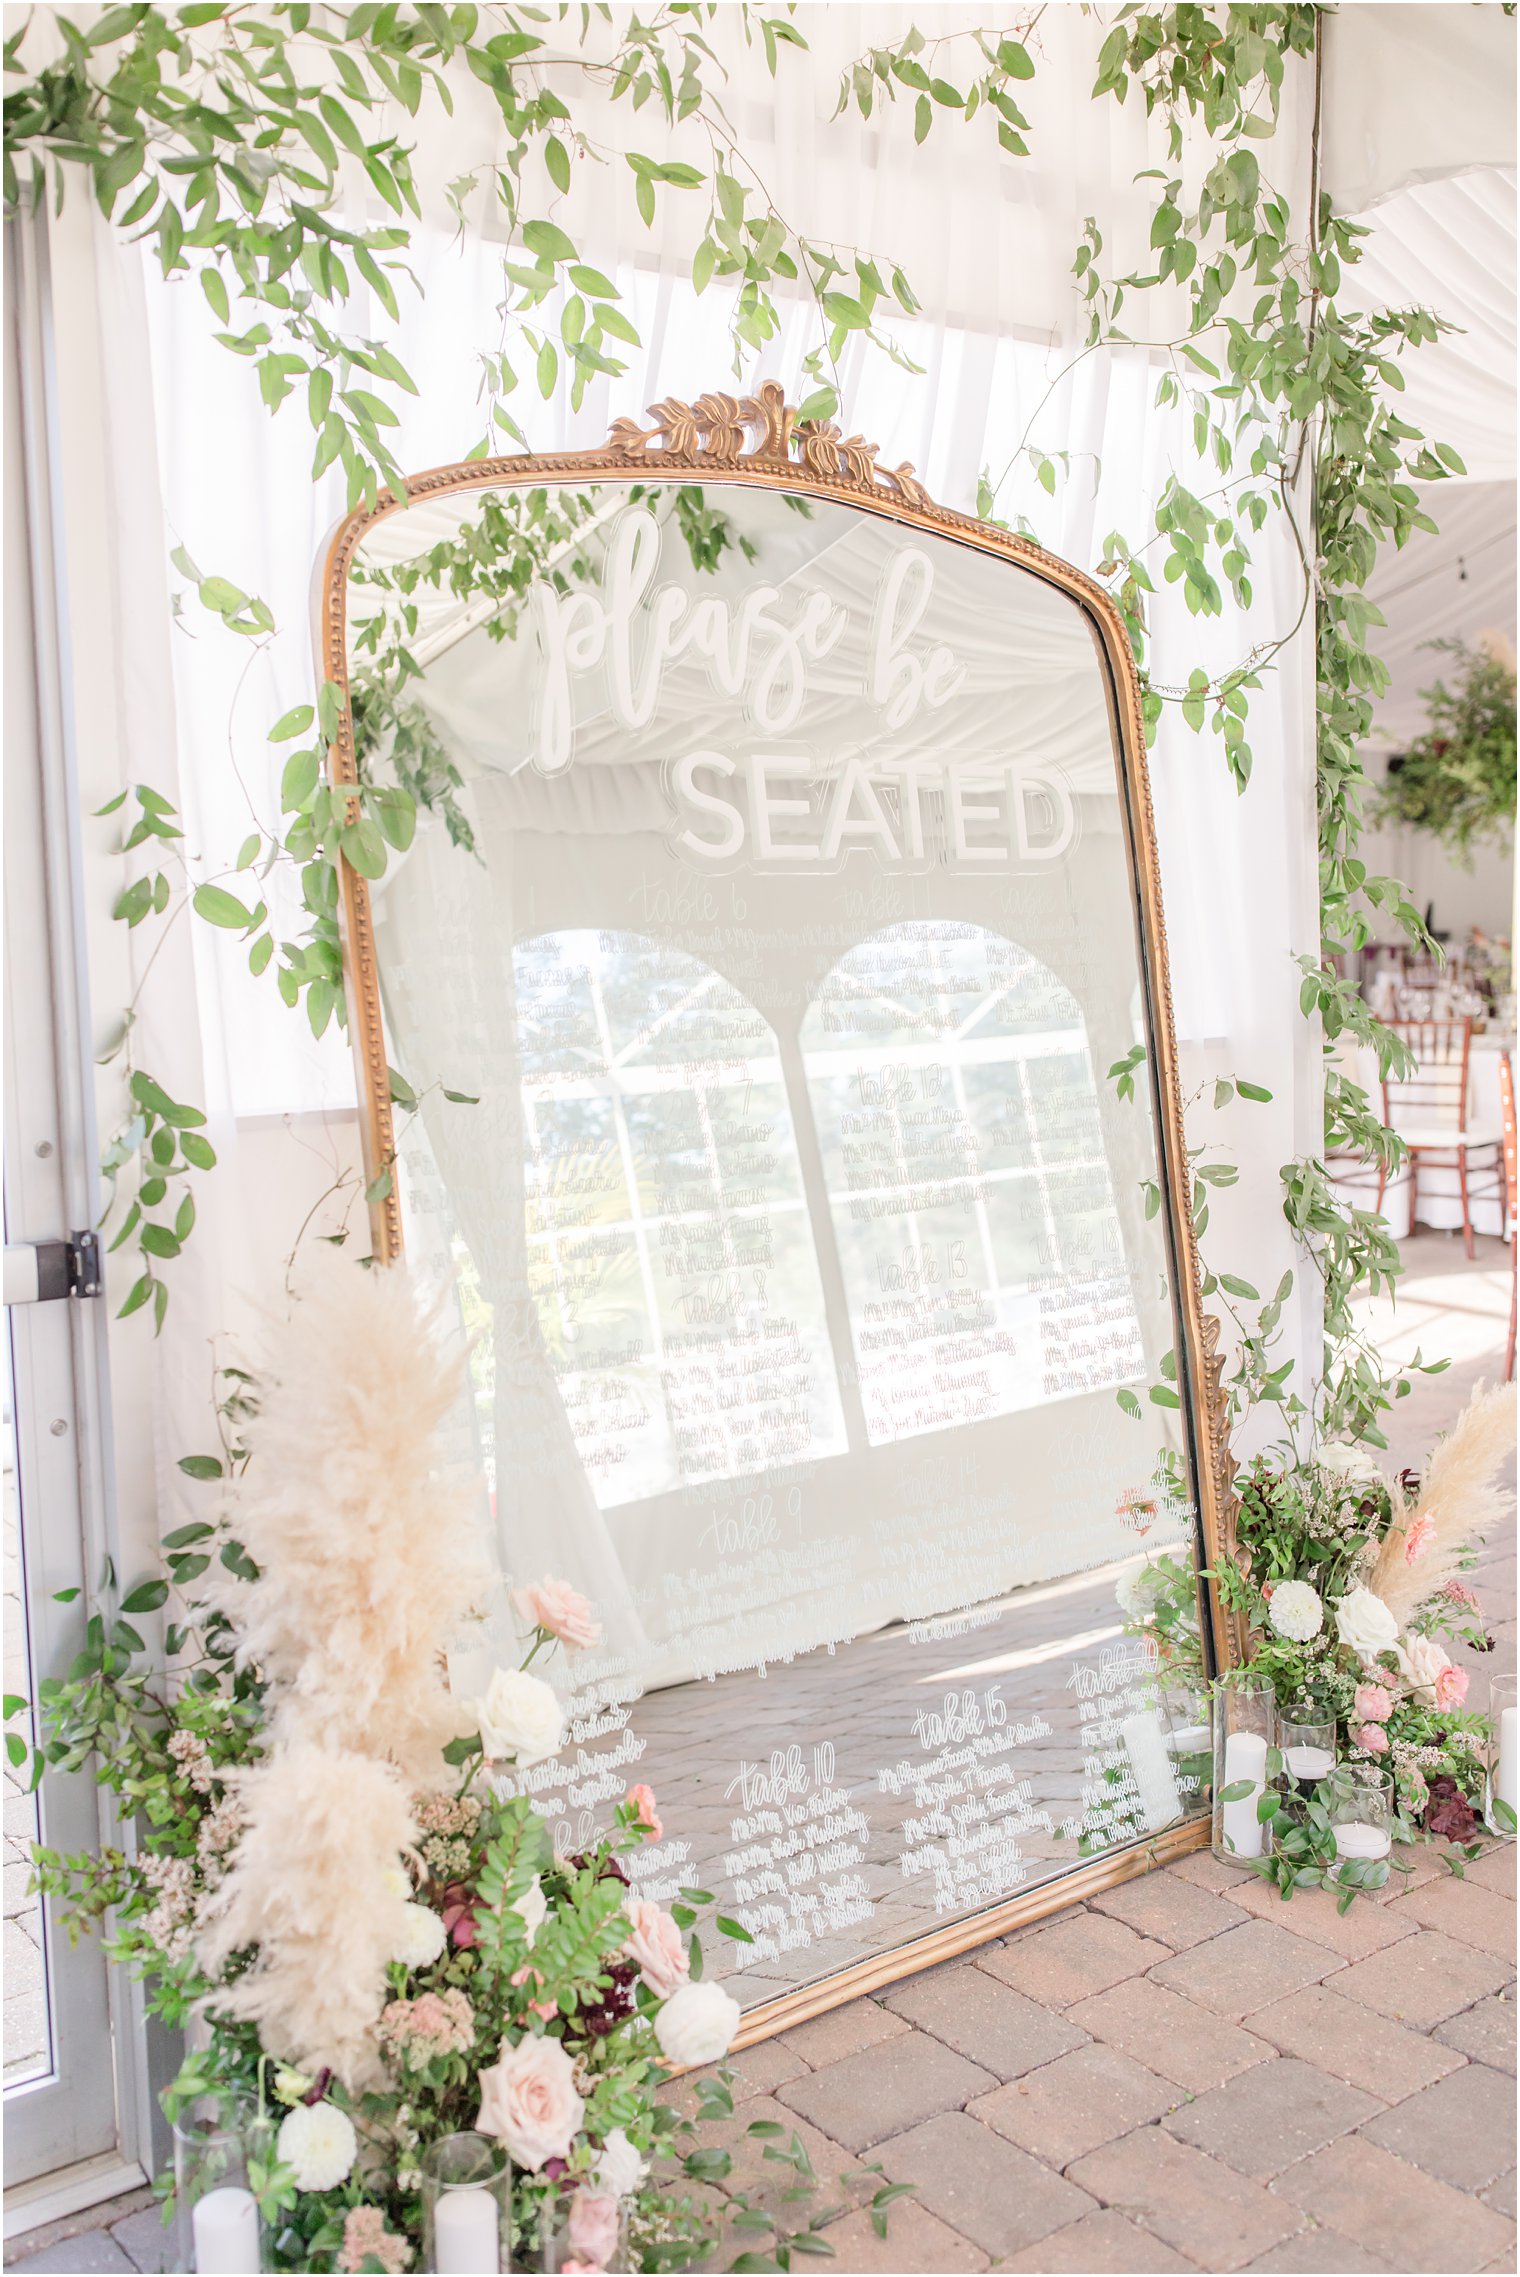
{"points": [[1457, 779]]}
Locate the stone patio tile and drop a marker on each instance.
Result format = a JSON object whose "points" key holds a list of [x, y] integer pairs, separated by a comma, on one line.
{"points": [[1462, 2130], [983, 2019], [1319, 2253], [1414, 1864], [1099, 2242], [1165, 1906], [1080, 1954], [1423, 1979], [1361, 1930], [1074, 2105], [1486, 2033], [144, 2240], [986, 2188], [1171, 2035], [768, 2177], [1271, 2115], [1495, 1870], [887, 2089], [1413, 2221], [78, 2256], [1247, 1967], [1351, 2042], [842, 2032], [1211, 1873], [1500, 2195], [761, 2069], [1205, 2210], [1466, 1911], [915, 2239]]}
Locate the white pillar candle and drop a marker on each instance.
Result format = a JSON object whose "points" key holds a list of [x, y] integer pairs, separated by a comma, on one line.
{"points": [[1308, 1762], [1160, 1802], [1193, 1739], [1357, 1840], [466, 2242], [1509, 1767], [225, 2228], [1245, 1757]]}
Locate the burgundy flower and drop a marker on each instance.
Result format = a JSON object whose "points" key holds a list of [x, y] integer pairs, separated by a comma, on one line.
{"points": [[459, 1914], [616, 2002], [1449, 1812]]}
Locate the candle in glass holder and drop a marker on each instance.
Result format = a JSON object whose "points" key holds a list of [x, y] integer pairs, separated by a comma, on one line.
{"points": [[1355, 1839], [1507, 1775], [1308, 1765], [1245, 1757], [465, 2238], [1155, 1780], [225, 2230]]}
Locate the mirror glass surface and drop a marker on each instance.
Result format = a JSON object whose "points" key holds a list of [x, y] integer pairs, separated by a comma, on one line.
{"points": [[772, 918]]}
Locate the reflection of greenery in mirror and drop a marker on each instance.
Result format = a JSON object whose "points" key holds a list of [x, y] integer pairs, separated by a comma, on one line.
{"points": [[1457, 780], [488, 565]]}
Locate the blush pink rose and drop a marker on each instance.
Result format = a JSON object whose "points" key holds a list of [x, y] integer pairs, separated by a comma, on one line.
{"points": [[641, 1800], [1372, 1739], [655, 1947], [1451, 1686], [594, 2224], [575, 2267], [528, 2102], [1417, 1540], [1374, 1703], [563, 1611]]}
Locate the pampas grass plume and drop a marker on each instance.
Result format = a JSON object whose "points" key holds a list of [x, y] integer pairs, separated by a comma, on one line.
{"points": [[1461, 1498], [369, 1551], [313, 1883]]}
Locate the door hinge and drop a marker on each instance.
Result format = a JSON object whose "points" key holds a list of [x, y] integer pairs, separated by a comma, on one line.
{"points": [[38, 1271]]}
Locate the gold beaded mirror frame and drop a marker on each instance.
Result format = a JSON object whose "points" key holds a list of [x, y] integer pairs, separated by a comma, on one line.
{"points": [[779, 984]]}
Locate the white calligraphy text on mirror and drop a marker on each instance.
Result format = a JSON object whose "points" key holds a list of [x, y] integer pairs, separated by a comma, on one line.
{"points": [[752, 651]]}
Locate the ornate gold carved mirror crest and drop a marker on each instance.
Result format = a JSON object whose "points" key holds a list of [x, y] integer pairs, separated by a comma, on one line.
{"points": [[778, 970]]}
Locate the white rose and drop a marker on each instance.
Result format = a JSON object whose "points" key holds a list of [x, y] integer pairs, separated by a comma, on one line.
{"points": [[1353, 1466], [422, 1938], [697, 2024], [529, 2102], [1421, 1661], [1136, 1593], [619, 2170], [318, 2141], [533, 1906], [520, 1716], [1364, 1622], [1295, 1611]]}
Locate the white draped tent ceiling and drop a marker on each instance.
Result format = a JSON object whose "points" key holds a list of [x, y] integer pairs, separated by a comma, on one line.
{"points": [[1418, 136]]}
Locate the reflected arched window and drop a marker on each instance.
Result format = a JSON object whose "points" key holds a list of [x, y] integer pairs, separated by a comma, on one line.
{"points": [[670, 1252], [954, 1097]]}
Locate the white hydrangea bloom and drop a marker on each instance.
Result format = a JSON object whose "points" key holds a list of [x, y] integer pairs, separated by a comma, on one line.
{"points": [[318, 2141]]}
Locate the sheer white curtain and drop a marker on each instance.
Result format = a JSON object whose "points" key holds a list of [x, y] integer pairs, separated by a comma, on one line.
{"points": [[987, 241]]}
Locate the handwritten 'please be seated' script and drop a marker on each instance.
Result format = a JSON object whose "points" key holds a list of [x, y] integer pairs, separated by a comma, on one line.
{"points": [[778, 807]]}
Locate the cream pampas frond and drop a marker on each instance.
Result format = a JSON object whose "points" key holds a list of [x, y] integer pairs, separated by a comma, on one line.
{"points": [[369, 1551], [1459, 1499], [315, 1884]]}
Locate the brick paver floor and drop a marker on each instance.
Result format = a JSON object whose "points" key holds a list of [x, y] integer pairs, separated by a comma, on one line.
{"points": [[1181, 2074]]}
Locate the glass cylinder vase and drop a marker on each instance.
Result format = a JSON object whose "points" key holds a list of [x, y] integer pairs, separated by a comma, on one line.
{"points": [[1189, 1738], [584, 2229], [466, 2207], [1503, 1755], [219, 2232], [1245, 1734], [1362, 1806]]}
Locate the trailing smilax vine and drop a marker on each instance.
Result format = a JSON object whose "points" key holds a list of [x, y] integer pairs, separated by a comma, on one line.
{"points": [[240, 142]]}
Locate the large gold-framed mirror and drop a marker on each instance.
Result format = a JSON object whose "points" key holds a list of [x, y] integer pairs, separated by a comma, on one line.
{"points": [[779, 974]]}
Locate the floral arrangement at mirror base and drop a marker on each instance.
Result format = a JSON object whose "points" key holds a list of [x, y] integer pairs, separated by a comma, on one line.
{"points": [[422, 2039], [1353, 1714]]}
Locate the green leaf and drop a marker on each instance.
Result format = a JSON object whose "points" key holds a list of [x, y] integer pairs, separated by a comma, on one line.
{"points": [[201, 1466], [219, 907], [548, 242], [294, 722], [146, 1597]]}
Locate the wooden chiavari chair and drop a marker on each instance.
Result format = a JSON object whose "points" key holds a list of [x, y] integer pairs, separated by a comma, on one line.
{"points": [[1428, 1109]]}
